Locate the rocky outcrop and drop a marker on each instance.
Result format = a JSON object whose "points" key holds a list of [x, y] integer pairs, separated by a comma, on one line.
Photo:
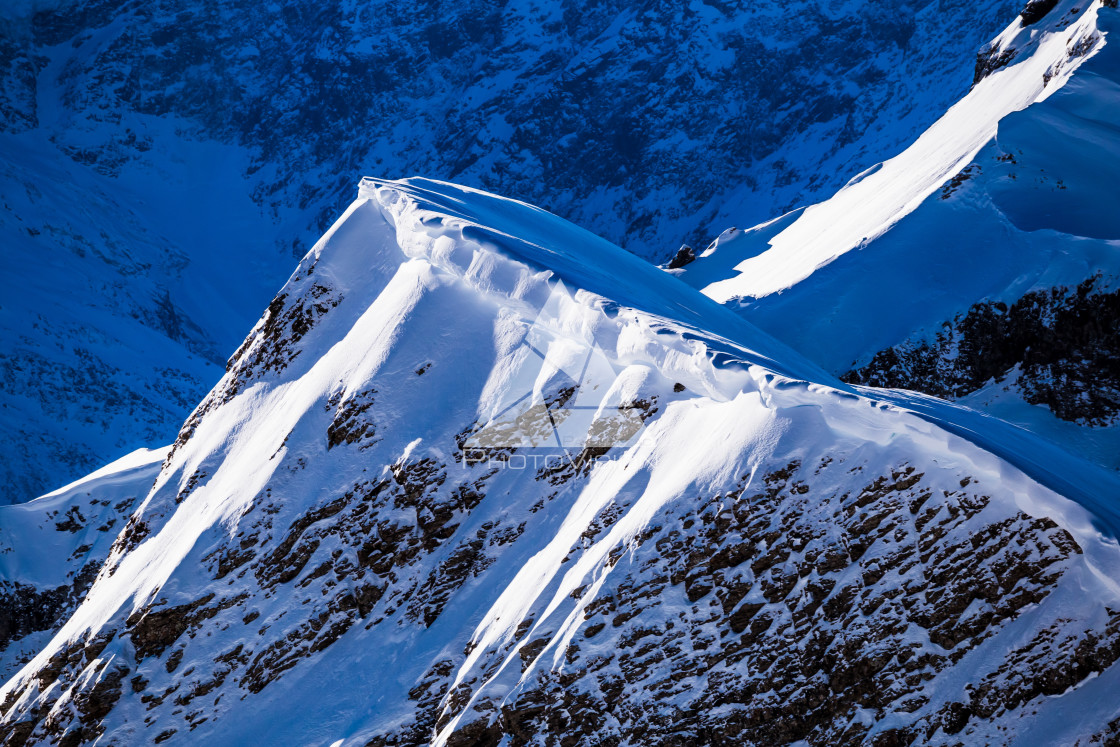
{"points": [[786, 629], [59, 545], [1061, 347], [684, 256], [26, 609], [771, 612], [1036, 10], [989, 60]]}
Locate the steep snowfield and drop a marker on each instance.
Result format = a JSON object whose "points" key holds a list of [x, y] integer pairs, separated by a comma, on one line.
{"points": [[989, 270], [1044, 59], [165, 160], [356, 539], [52, 548]]}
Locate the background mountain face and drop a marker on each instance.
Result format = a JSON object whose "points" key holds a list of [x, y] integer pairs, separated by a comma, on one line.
{"points": [[989, 274], [635, 120], [165, 160], [773, 558]]}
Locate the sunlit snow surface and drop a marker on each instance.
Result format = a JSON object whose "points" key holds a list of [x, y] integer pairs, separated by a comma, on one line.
{"points": [[877, 199], [426, 276], [1033, 209]]}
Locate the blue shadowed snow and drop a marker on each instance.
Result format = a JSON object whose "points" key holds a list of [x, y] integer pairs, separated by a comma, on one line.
{"points": [[1094, 487]]}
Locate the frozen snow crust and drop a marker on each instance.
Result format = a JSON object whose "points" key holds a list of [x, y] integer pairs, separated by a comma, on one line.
{"points": [[769, 557]]}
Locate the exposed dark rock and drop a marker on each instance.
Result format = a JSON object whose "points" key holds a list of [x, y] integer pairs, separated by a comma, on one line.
{"points": [[923, 558], [351, 424], [285, 562], [135, 532], [192, 482], [316, 634], [72, 522], [25, 609], [989, 60], [959, 179], [466, 560], [17, 734], [790, 604], [1036, 10], [1064, 342], [153, 630], [684, 256], [96, 703]]}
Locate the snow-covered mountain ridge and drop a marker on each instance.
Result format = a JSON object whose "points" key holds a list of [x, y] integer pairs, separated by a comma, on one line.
{"points": [[758, 553], [211, 142], [981, 263]]}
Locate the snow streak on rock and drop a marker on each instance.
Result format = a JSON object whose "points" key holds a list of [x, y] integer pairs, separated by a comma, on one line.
{"points": [[881, 196]]}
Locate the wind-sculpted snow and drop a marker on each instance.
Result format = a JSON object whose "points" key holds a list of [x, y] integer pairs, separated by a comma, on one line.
{"points": [[769, 558], [999, 288], [230, 132]]}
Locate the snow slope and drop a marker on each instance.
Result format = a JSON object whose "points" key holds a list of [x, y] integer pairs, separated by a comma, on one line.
{"points": [[165, 161], [875, 200], [765, 556], [988, 273], [52, 548]]}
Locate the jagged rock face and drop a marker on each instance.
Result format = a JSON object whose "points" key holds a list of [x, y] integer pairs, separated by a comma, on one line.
{"points": [[989, 60], [1061, 347], [776, 617], [1036, 10], [763, 561], [25, 609]]}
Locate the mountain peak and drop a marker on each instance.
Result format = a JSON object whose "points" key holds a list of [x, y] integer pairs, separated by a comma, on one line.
{"points": [[370, 513]]}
